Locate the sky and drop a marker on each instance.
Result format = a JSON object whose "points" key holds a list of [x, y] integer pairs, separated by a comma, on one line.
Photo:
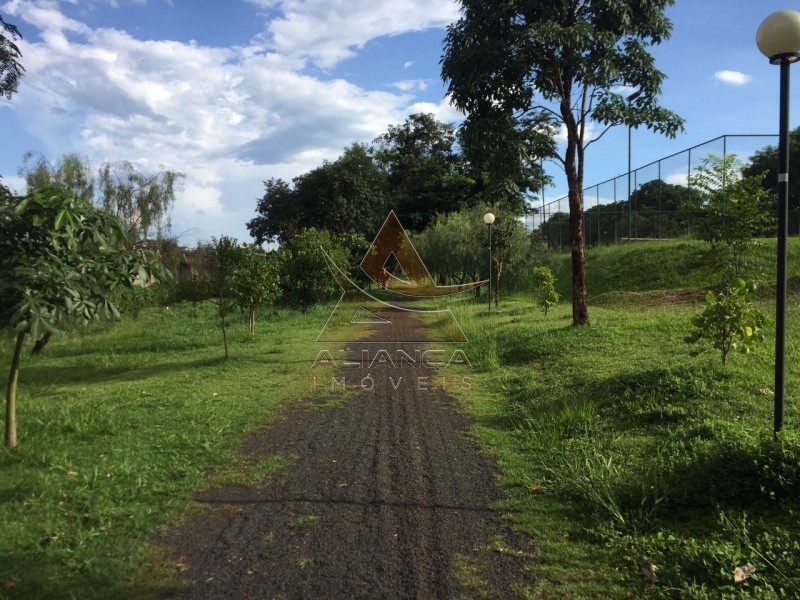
{"points": [[235, 92]]}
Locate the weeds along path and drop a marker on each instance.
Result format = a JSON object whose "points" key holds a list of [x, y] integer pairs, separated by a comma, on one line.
{"points": [[383, 495]]}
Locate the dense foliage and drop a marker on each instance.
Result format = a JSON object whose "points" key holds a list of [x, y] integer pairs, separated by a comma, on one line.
{"points": [[348, 194], [764, 163], [729, 210], [415, 169], [426, 172]]}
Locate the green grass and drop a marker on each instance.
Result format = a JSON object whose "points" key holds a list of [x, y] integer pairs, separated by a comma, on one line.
{"points": [[117, 426], [668, 265], [240, 471], [467, 572], [620, 449], [304, 522]]}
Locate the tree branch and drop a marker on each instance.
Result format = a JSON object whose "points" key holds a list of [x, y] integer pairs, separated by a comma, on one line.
{"points": [[590, 142]]}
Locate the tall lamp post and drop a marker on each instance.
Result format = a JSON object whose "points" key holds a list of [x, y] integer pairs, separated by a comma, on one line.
{"points": [[488, 218], [778, 38]]}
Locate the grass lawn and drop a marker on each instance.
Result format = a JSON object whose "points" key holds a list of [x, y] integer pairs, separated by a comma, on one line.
{"points": [[118, 424], [641, 470]]}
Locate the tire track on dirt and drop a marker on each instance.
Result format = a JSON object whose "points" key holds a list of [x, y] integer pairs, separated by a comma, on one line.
{"points": [[399, 494]]}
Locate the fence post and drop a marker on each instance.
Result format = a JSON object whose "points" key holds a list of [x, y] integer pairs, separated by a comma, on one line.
{"points": [[597, 206], [615, 211], [689, 189], [659, 199], [636, 219]]}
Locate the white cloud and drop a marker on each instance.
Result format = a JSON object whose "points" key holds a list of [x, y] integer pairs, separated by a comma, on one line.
{"points": [[678, 178], [443, 111], [14, 183], [592, 131], [408, 85], [408, 63], [732, 77], [329, 31], [624, 90], [227, 117]]}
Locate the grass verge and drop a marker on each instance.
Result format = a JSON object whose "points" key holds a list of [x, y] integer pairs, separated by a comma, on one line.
{"points": [[641, 470], [118, 425]]}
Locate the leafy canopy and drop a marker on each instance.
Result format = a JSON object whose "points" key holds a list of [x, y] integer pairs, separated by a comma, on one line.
{"points": [[61, 259], [348, 194], [559, 62], [11, 68], [729, 210], [427, 173]]}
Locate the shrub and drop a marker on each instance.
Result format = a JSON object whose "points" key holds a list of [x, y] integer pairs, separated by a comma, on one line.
{"points": [[729, 320], [545, 282]]}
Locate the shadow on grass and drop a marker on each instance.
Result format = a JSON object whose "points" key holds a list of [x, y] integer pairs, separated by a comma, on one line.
{"points": [[39, 375]]}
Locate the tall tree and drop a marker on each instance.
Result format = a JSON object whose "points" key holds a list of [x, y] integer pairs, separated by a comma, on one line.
{"points": [[143, 201], [505, 160], [427, 173], [560, 65], [61, 260], [71, 173], [279, 217], [348, 194], [11, 68]]}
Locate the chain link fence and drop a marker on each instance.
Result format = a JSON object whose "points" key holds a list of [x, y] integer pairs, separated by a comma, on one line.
{"points": [[643, 204]]}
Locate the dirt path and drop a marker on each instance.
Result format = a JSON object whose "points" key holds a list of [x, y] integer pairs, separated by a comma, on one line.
{"points": [[384, 495]]}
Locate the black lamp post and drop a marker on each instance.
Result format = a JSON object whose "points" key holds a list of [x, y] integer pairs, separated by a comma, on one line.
{"points": [[778, 38], [488, 218]]}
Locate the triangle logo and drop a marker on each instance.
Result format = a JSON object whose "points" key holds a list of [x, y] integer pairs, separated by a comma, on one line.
{"points": [[362, 315]]}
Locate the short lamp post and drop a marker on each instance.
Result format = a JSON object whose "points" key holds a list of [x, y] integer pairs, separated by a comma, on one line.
{"points": [[488, 218], [778, 38]]}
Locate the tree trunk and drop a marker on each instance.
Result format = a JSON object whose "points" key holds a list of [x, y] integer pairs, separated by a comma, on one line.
{"points": [[580, 310], [573, 169], [11, 396], [252, 320]]}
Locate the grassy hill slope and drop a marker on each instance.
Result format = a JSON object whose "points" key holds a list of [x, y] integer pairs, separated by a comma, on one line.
{"points": [[668, 265]]}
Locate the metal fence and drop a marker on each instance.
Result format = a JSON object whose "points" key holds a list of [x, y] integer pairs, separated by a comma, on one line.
{"points": [[650, 211]]}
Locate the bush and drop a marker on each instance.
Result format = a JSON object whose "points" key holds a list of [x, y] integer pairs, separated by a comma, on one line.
{"points": [[729, 320], [305, 276], [545, 283], [133, 300]]}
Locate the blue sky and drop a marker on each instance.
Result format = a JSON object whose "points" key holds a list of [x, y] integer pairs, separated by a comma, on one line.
{"points": [[235, 92]]}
